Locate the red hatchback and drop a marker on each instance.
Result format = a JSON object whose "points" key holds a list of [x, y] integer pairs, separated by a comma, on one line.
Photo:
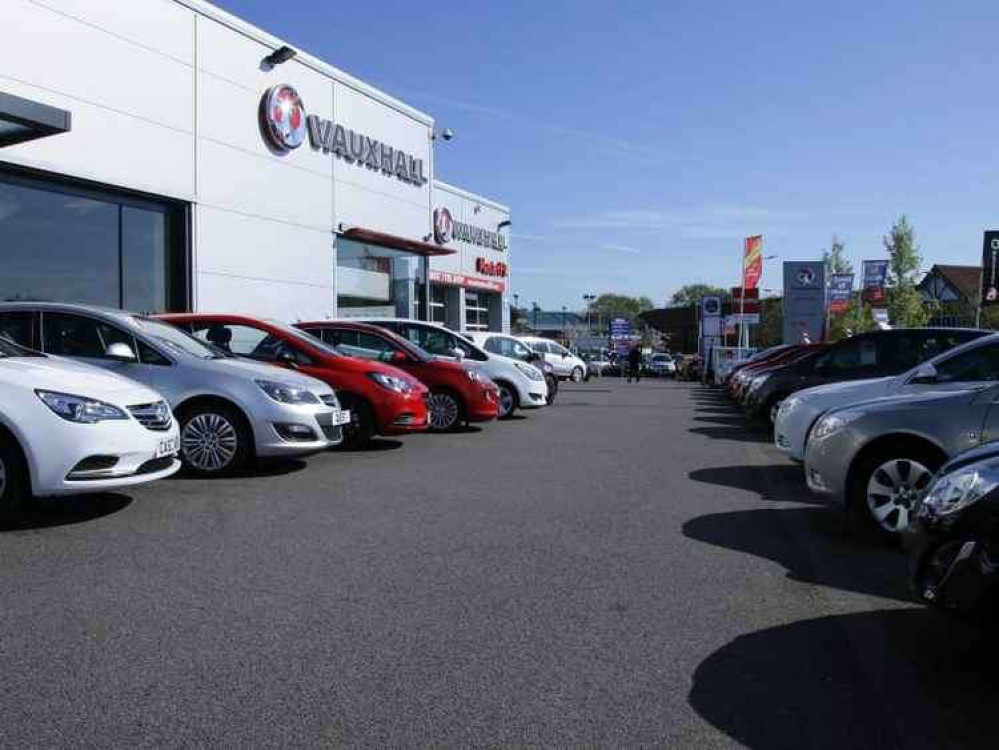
{"points": [[457, 393], [383, 400]]}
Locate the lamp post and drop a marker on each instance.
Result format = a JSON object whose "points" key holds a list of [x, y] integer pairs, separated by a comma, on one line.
{"points": [[565, 330], [535, 310], [589, 299]]}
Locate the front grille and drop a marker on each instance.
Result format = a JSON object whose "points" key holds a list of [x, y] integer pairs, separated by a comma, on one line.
{"points": [[155, 416], [330, 400], [333, 433], [156, 464]]}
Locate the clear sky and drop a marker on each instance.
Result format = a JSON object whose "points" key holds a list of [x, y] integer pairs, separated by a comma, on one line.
{"points": [[638, 142]]}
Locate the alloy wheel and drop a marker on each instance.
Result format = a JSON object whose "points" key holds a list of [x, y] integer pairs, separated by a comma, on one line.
{"points": [[3, 478], [892, 492], [505, 401], [209, 442], [444, 411], [577, 375]]}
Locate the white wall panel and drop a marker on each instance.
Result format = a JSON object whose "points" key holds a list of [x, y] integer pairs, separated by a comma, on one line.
{"points": [[105, 147], [162, 25], [240, 245], [55, 52], [279, 300]]}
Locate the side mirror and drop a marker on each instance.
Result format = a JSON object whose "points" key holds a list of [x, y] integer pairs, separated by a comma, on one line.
{"points": [[120, 352], [458, 353], [398, 358], [924, 374], [286, 357]]}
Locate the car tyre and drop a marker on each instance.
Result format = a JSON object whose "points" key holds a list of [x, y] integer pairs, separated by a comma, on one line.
{"points": [[446, 411], [13, 476], [509, 400], [214, 440], [361, 430], [887, 484], [577, 374], [552, 382]]}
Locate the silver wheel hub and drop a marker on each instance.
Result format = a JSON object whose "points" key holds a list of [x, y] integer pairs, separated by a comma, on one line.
{"points": [[506, 401], [209, 442], [893, 490], [443, 411]]}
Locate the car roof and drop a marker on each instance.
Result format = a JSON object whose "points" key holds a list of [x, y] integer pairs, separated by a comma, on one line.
{"points": [[73, 307]]}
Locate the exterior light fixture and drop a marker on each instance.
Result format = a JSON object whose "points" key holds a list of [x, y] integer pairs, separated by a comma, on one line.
{"points": [[445, 135], [503, 225], [282, 54]]}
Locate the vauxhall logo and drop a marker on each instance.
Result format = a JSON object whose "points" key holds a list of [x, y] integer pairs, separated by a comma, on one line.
{"points": [[281, 112]]}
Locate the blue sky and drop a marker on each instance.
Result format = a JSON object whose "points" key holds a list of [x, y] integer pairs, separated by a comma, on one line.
{"points": [[638, 142]]}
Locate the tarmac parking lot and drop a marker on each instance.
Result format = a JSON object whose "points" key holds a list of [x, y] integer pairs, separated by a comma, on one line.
{"points": [[632, 566]]}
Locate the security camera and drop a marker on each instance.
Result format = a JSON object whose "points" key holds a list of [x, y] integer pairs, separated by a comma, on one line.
{"points": [[447, 134]]}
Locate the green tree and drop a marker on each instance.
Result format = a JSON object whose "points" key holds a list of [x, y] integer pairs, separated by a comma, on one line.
{"points": [[770, 331], [905, 302], [856, 319], [690, 294], [620, 305], [835, 258]]}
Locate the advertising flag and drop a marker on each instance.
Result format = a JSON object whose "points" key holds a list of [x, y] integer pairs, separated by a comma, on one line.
{"points": [[875, 275], [840, 292], [752, 262], [990, 281]]}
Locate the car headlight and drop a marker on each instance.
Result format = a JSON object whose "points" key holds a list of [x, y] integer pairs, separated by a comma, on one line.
{"points": [[80, 409], [756, 383], [287, 394], [960, 489], [787, 406], [829, 424], [532, 372], [391, 382]]}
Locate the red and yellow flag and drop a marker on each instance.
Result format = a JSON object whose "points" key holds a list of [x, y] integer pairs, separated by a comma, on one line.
{"points": [[752, 262]]}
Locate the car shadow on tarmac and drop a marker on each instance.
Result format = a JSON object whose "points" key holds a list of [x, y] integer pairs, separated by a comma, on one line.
{"points": [[743, 432], [376, 445], [275, 467], [44, 513], [795, 537], [782, 483], [897, 678]]}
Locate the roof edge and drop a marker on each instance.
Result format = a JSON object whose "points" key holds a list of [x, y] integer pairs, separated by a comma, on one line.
{"points": [[470, 195]]}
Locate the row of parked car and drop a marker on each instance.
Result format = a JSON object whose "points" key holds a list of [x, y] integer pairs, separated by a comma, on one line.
{"points": [[898, 428], [93, 399]]}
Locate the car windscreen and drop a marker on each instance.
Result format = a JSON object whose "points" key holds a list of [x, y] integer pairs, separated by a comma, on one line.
{"points": [[176, 340], [414, 351]]}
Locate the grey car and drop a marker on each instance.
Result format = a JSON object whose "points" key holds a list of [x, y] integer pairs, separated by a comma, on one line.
{"points": [[876, 458], [230, 410]]}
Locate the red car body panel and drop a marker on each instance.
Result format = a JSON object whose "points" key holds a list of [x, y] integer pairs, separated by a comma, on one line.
{"points": [[395, 413], [480, 397]]}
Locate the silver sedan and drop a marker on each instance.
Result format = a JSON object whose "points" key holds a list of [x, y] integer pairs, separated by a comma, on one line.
{"points": [[877, 457]]}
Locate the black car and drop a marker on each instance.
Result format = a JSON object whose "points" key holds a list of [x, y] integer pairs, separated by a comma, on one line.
{"points": [[953, 542], [875, 354]]}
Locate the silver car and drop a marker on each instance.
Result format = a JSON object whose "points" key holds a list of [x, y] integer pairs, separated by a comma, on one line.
{"points": [[230, 410], [876, 458]]}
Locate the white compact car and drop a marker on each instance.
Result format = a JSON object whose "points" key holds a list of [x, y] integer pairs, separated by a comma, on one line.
{"points": [[522, 386], [966, 366], [567, 365], [68, 428]]}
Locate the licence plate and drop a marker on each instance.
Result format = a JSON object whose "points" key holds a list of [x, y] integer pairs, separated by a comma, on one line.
{"points": [[167, 447], [341, 417]]}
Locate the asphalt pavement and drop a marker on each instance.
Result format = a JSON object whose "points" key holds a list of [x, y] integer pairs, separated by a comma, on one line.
{"points": [[632, 566]]}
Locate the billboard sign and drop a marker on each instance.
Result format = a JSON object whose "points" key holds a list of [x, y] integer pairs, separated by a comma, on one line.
{"points": [[752, 262], [804, 301], [990, 272], [840, 292], [875, 278]]}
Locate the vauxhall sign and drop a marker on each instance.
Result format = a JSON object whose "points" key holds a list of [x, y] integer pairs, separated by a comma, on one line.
{"points": [[285, 123], [446, 228]]}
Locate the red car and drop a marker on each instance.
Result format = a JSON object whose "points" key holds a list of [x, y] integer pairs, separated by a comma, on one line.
{"points": [[457, 393], [383, 400]]}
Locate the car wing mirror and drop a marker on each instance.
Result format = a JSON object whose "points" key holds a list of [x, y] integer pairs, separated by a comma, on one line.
{"points": [[398, 358], [458, 353], [286, 357], [924, 374], [120, 352]]}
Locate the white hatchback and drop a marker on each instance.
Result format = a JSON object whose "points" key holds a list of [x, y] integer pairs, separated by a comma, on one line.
{"points": [[567, 365], [69, 428]]}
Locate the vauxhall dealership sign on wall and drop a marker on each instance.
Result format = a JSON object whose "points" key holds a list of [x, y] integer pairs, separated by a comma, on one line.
{"points": [[285, 124], [447, 229]]}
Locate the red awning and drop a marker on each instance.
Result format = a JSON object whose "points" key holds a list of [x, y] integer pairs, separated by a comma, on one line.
{"points": [[391, 241]]}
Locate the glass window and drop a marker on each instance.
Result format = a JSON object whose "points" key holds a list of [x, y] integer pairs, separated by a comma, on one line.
{"points": [[369, 346], [978, 365], [80, 336], [494, 344], [476, 312], [247, 341], [149, 356], [854, 355], [19, 327], [438, 304], [176, 339], [61, 243]]}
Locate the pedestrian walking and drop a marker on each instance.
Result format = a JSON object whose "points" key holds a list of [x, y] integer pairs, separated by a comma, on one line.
{"points": [[635, 364]]}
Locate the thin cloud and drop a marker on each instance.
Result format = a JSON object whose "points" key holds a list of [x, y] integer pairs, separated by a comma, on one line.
{"points": [[622, 249], [527, 237], [564, 272], [715, 220]]}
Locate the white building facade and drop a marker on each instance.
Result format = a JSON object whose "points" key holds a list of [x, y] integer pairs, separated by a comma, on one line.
{"points": [[198, 170]]}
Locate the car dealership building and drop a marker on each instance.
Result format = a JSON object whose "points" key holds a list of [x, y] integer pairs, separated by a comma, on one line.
{"points": [[164, 155]]}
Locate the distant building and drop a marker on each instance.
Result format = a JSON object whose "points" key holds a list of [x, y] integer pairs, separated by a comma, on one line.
{"points": [[955, 290]]}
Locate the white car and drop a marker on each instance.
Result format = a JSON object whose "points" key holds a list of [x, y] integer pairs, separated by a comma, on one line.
{"points": [[68, 428], [971, 364], [662, 365], [521, 386], [567, 365]]}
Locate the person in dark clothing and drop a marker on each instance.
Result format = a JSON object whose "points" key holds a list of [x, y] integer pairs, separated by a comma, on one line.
{"points": [[635, 364]]}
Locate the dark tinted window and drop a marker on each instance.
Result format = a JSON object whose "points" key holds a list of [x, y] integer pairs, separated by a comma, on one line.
{"points": [[979, 364], [854, 356], [904, 350], [149, 356], [80, 336], [19, 327], [248, 341]]}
